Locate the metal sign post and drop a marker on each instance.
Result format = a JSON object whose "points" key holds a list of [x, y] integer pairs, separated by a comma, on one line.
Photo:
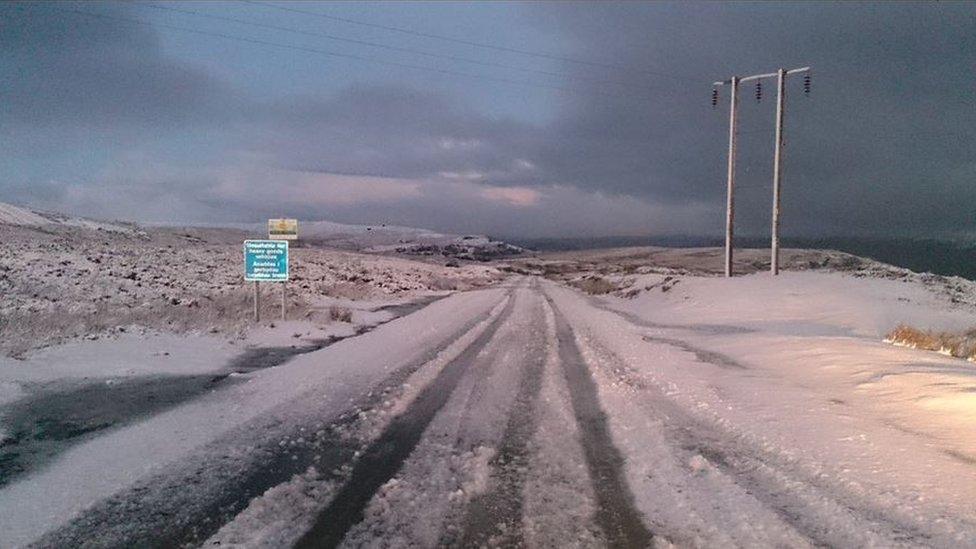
{"points": [[267, 261], [283, 229], [257, 300]]}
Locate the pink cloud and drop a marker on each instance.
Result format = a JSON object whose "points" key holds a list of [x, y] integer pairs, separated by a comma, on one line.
{"points": [[516, 196]]}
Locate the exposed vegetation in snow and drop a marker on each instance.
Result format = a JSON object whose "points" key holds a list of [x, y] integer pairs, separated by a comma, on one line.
{"points": [[959, 345]]}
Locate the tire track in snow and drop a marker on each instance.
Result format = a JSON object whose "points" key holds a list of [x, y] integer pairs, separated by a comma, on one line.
{"points": [[161, 512], [559, 504], [703, 355], [706, 329], [384, 457], [616, 512], [495, 517]]}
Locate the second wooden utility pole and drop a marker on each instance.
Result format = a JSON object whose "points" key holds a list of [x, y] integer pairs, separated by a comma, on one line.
{"points": [[777, 167]]}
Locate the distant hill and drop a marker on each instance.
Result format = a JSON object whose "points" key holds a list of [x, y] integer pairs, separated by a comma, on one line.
{"points": [[13, 215], [16, 215], [380, 238], [403, 240], [944, 257]]}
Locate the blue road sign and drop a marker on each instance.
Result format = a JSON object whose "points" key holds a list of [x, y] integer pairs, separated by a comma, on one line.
{"points": [[265, 260]]}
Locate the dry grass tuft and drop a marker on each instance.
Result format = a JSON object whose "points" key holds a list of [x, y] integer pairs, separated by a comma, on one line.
{"points": [[959, 345], [595, 285], [340, 314]]}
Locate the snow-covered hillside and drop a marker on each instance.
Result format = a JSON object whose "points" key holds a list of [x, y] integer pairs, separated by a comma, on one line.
{"points": [[383, 238], [15, 215], [68, 278]]}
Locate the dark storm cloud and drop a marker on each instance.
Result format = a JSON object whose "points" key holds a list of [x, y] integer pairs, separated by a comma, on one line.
{"points": [[884, 145], [64, 69]]}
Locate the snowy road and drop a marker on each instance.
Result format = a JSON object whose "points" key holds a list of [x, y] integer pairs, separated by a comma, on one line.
{"points": [[524, 415]]}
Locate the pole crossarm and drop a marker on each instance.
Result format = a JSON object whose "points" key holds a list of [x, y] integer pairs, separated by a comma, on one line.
{"points": [[761, 76]]}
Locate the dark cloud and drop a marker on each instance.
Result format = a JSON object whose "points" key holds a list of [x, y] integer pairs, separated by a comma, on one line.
{"points": [[64, 69], [884, 145], [397, 132]]}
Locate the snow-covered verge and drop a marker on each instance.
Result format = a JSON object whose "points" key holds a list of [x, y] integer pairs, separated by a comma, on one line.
{"points": [[797, 303], [827, 330], [748, 404], [143, 353], [63, 281], [824, 331]]}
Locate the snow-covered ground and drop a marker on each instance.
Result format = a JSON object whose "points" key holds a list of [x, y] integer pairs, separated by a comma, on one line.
{"points": [[826, 330], [788, 414], [77, 279], [673, 408]]}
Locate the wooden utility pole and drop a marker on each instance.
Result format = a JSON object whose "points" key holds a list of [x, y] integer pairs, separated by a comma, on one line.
{"points": [[730, 202], [777, 167], [735, 83]]}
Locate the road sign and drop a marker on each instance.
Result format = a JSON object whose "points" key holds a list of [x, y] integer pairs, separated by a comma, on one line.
{"points": [[283, 229], [265, 260]]}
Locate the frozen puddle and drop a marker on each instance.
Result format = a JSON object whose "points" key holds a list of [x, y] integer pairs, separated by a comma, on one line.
{"points": [[43, 425], [61, 414]]}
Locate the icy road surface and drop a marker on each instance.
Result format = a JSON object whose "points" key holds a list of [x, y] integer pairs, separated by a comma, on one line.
{"points": [[525, 415]]}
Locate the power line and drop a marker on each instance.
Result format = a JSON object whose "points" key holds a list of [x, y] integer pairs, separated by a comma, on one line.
{"points": [[333, 54], [393, 48], [543, 55]]}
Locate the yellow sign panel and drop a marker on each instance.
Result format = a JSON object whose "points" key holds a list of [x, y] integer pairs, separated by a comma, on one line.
{"points": [[283, 229]]}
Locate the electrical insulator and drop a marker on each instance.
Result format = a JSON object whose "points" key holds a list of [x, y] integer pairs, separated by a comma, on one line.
{"points": [[758, 91], [714, 98], [806, 83]]}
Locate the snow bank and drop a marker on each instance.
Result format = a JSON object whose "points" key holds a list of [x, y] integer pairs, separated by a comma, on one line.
{"points": [[128, 355], [825, 330], [797, 303]]}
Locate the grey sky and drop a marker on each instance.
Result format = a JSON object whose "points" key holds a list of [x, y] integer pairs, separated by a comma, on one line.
{"points": [[109, 117]]}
